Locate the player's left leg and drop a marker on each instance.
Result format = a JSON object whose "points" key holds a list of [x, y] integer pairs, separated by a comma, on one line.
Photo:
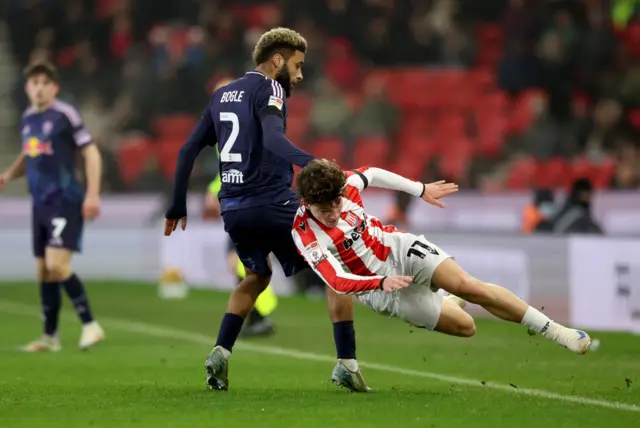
{"points": [[502, 303], [346, 372], [257, 322], [58, 265]]}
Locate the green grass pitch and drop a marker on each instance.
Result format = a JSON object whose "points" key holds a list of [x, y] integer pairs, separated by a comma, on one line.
{"points": [[149, 371]]}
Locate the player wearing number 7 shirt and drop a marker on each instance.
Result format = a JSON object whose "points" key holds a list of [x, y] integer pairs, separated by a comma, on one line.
{"points": [[393, 272], [247, 120]]}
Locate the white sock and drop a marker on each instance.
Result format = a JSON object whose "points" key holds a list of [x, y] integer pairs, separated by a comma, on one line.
{"points": [[540, 323], [225, 352], [350, 364]]}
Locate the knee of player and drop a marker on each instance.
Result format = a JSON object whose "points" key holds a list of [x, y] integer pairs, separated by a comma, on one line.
{"points": [[57, 271], [467, 328]]}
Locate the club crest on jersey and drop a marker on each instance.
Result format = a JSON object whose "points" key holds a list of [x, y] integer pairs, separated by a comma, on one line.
{"points": [[33, 147], [315, 255], [351, 219], [47, 126]]}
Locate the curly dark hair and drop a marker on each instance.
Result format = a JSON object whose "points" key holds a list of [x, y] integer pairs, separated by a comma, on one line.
{"points": [[278, 40], [321, 182]]}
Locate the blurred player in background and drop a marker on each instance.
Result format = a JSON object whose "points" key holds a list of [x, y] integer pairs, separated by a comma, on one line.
{"points": [[396, 273], [52, 135], [257, 323], [247, 119]]}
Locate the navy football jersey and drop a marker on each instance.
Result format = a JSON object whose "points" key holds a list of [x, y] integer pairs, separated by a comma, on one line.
{"points": [[51, 140], [251, 175]]}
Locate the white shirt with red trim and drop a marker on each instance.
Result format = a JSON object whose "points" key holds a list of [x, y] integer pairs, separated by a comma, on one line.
{"points": [[358, 253]]}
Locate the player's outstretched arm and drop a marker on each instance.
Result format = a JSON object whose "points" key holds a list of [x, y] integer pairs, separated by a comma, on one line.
{"points": [[203, 135], [332, 273], [378, 177], [16, 170]]}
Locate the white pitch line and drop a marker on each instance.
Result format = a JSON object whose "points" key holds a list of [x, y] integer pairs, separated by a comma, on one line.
{"points": [[170, 333]]}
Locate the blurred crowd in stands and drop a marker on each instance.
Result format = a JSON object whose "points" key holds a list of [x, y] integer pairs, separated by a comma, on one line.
{"points": [[495, 94]]}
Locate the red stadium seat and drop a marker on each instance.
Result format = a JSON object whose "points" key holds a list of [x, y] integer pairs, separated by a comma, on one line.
{"points": [[453, 165], [300, 104], [297, 127], [555, 173], [522, 174], [174, 126], [371, 152], [450, 127], [492, 132], [167, 155], [329, 148], [409, 165], [523, 111], [132, 156]]}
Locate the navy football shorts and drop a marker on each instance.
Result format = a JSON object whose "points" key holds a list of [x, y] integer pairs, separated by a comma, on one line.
{"points": [[256, 232], [57, 225]]}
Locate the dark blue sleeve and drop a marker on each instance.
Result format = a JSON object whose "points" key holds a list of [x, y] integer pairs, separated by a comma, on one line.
{"points": [[203, 135], [276, 142]]}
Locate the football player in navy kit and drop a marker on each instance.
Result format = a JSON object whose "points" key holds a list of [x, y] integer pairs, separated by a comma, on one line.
{"points": [[247, 120], [52, 135]]}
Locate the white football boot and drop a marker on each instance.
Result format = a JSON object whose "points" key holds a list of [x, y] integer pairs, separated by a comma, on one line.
{"points": [[92, 333], [575, 340], [44, 344]]}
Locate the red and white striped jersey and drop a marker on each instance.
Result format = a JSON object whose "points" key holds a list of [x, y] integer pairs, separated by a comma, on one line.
{"points": [[358, 253]]}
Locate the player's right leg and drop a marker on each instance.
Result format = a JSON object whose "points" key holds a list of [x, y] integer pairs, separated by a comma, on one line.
{"points": [[502, 303], [51, 302], [50, 295]]}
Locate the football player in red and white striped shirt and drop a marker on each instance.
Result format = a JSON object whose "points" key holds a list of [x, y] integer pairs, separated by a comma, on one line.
{"points": [[393, 272]]}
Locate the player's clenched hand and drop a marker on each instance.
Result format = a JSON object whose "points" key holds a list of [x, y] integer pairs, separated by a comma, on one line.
{"points": [[171, 224], [436, 190], [392, 283], [91, 207]]}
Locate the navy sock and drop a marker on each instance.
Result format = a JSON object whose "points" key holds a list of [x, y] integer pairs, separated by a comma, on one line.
{"points": [[75, 290], [345, 337], [51, 300], [229, 330]]}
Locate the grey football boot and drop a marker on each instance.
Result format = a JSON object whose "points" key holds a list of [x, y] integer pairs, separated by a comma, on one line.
{"points": [[345, 378], [217, 369]]}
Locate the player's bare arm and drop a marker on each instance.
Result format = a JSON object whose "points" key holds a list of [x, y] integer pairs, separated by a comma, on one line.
{"points": [[204, 135], [16, 170], [93, 171]]}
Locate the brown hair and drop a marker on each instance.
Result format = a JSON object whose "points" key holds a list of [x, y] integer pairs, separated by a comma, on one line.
{"points": [[45, 68], [278, 40], [321, 182]]}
